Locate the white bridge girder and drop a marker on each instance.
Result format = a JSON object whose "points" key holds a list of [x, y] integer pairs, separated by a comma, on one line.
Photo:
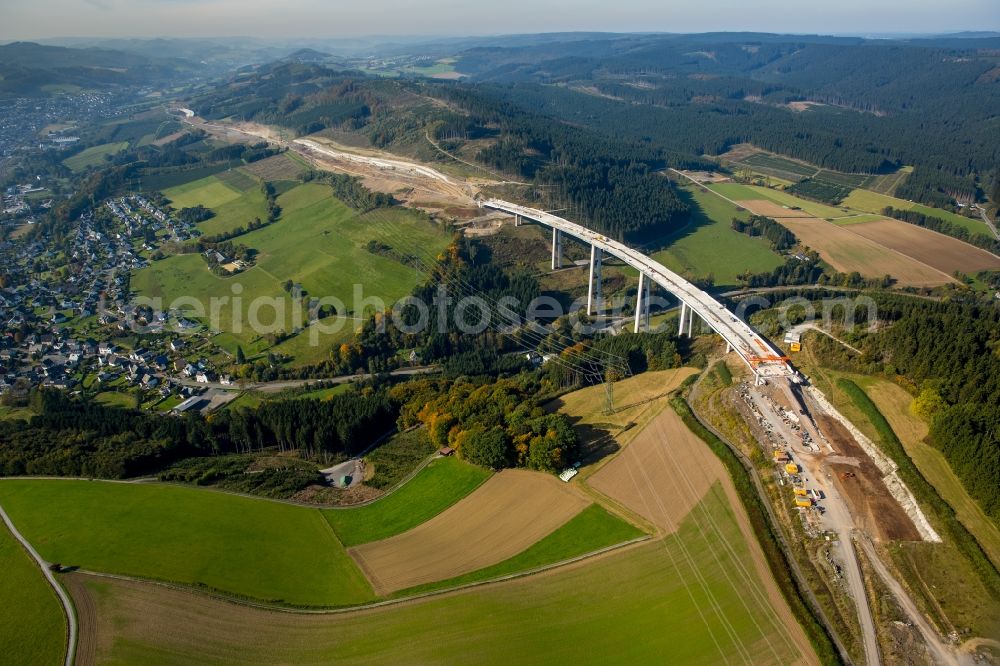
{"points": [[759, 354]]}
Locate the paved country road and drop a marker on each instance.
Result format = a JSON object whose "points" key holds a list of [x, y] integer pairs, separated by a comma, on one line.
{"points": [[282, 384], [63, 597]]}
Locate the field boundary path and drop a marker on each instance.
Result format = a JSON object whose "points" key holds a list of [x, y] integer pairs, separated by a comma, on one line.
{"points": [[394, 601], [60, 592]]}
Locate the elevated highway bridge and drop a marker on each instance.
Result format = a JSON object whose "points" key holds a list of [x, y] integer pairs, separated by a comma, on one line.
{"points": [[760, 355]]}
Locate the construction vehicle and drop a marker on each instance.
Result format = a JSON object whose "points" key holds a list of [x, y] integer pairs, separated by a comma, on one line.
{"points": [[847, 475], [801, 492], [792, 468], [803, 502], [781, 457]]}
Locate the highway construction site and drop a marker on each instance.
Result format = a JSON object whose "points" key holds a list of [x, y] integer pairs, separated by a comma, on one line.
{"points": [[834, 480], [845, 493]]}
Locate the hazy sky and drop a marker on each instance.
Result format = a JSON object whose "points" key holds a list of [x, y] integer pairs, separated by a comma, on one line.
{"points": [[28, 19]]}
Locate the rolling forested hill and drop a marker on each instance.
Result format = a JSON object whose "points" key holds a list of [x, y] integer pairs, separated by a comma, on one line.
{"points": [[28, 69], [870, 106]]}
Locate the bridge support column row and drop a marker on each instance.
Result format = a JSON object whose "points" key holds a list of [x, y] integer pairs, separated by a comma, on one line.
{"points": [[594, 286], [642, 303], [556, 249], [687, 314]]}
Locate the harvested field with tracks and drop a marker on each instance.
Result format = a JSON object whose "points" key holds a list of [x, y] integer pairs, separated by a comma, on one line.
{"points": [[507, 514], [772, 209], [276, 167], [662, 474], [847, 251], [937, 250]]}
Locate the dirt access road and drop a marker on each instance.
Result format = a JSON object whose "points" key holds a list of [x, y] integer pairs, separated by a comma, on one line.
{"points": [[410, 182], [836, 515]]}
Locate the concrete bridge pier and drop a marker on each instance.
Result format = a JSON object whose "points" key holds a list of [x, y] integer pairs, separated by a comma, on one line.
{"points": [[556, 249], [680, 330], [642, 303], [594, 286], [517, 220]]}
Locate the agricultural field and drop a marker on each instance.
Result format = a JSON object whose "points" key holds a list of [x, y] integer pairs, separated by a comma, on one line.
{"points": [[38, 633], [738, 192], [588, 532], [210, 192], [506, 515], [849, 180], [665, 455], [315, 239], [708, 245], [847, 252], [873, 202], [781, 167], [681, 585], [274, 168], [441, 484], [94, 156], [637, 400], [942, 252], [238, 179], [821, 190], [187, 535]]}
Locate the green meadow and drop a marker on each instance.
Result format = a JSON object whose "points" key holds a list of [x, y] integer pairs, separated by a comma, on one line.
{"points": [[243, 546], [318, 243], [38, 633], [94, 155], [709, 244], [631, 606]]}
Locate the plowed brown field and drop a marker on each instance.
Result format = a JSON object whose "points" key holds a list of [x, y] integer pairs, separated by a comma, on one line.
{"points": [[847, 251], [771, 209], [504, 516], [937, 250], [662, 474]]}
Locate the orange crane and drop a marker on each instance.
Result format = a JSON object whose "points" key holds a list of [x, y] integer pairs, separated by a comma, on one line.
{"points": [[757, 360]]}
